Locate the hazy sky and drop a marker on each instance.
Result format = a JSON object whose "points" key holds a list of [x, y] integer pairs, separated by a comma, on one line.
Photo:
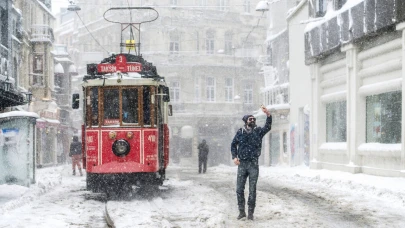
{"points": [[57, 4]]}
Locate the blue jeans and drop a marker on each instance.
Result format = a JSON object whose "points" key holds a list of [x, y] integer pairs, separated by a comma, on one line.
{"points": [[247, 169]]}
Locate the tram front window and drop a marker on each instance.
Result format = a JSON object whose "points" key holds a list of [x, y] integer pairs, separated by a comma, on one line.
{"points": [[111, 107], [129, 106]]}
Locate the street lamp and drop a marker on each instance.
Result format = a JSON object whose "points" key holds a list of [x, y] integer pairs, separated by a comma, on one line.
{"points": [[262, 6], [29, 97], [73, 7]]}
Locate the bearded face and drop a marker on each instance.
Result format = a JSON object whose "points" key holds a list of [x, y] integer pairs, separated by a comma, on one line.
{"points": [[251, 122]]}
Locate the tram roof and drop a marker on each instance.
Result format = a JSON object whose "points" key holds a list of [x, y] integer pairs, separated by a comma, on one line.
{"points": [[133, 79]]}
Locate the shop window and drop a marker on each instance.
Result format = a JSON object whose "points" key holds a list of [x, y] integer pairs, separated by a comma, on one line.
{"points": [[336, 122], [383, 124]]}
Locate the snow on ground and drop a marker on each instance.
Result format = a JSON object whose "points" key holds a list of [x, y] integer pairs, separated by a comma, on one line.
{"points": [[57, 199]]}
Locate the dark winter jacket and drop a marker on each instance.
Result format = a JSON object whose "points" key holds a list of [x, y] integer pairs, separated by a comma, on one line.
{"points": [[75, 148], [247, 146], [203, 150]]}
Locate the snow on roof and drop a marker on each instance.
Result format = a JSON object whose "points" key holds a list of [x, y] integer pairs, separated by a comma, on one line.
{"points": [[19, 114], [330, 13], [271, 38]]}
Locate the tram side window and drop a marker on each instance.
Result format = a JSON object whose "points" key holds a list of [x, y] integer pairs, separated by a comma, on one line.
{"points": [[111, 107], [93, 93], [146, 105], [129, 106]]}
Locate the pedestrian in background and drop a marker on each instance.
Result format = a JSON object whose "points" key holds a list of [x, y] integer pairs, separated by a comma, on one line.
{"points": [[203, 150], [76, 155], [245, 149]]}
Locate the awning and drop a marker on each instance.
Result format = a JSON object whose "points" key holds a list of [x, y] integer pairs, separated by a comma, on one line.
{"points": [[186, 132], [62, 60], [11, 98], [73, 70], [59, 69]]}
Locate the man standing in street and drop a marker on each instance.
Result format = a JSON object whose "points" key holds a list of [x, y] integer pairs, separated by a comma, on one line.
{"points": [[203, 150], [246, 148], [76, 154]]}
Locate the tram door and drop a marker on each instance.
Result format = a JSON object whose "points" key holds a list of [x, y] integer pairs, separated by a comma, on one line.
{"points": [[274, 148]]}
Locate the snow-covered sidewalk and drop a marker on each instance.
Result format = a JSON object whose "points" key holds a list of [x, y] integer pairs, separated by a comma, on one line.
{"points": [[14, 196]]}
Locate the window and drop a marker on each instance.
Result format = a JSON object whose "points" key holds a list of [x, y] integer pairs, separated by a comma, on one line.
{"points": [[209, 42], [147, 100], [38, 64], [197, 36], [210, 89], [228, 43], [228, 89], [3, 27], [174, 47], [130, 106], [336, 122], [175, 91], [37, 71], [320, 7], [339, 4], [383, 118], [111, 107], [174, 42], [223, 5], [92, 100], [197, 90], [248, 94], [247, 6]]}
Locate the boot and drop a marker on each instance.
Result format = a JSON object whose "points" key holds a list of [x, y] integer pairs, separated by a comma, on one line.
{"points": [[80, 171], [250, 214], [74, 172], [242, 214]]}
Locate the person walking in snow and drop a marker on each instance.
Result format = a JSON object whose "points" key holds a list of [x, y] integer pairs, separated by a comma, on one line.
{"points": [[245, 149], [76, 155], [203, 150]]}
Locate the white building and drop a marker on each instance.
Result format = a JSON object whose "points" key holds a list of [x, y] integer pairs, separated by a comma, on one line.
{"points": [[356, 55]]}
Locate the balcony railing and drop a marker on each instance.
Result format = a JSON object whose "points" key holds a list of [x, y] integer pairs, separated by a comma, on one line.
{"points": [[42, 33]]}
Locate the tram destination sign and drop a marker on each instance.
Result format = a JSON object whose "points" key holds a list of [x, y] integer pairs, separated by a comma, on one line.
{"points": [[120, 64]]}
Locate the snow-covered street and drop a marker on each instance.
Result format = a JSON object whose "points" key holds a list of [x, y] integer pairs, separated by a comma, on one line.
{"points": [[287, 197]]}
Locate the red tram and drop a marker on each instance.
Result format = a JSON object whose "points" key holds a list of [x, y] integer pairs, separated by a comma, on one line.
{"points": [[125, 133]]}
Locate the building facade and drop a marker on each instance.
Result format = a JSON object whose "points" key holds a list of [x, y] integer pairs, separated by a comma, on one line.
{"points": [[37, 75], [356, 55]]}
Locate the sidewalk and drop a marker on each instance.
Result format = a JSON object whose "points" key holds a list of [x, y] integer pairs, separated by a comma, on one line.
{"points": [[13, 196]]}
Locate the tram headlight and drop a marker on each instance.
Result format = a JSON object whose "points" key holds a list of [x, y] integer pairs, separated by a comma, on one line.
{"points": [[121, 147]]}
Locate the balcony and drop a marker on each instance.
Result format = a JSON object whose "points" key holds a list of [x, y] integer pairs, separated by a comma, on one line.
{"points": [[351, 24], [42, 33]]}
